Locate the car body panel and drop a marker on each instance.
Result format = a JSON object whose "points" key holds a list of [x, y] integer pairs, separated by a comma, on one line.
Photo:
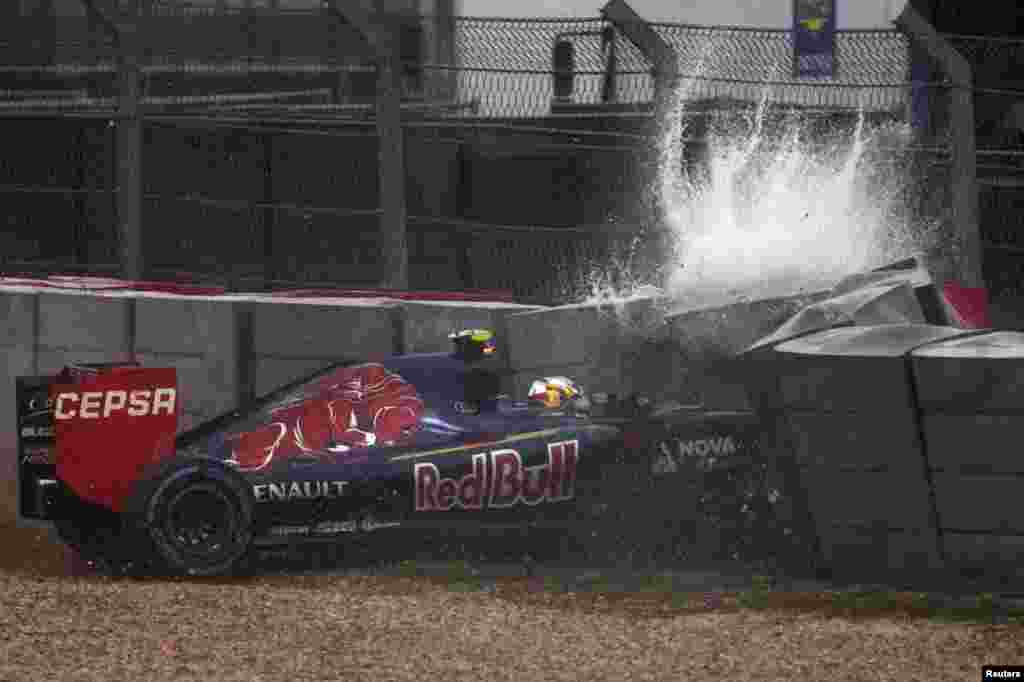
{"points": [[471, 455]]}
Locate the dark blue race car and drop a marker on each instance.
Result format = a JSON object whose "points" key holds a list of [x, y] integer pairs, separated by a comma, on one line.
{"points": [[412, 441]]}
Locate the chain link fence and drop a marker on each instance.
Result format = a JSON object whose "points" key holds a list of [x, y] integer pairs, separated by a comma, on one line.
{"points": [[261, 146]]}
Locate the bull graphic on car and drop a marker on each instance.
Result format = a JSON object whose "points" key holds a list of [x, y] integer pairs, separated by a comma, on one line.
{"points": [[409, 442]]}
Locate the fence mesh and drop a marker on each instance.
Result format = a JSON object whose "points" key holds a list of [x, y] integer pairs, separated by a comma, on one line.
{"points": [[261, 147], [505, 67]]}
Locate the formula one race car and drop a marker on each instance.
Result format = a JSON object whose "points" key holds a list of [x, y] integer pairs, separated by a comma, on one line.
{"points": [[415, 439]]}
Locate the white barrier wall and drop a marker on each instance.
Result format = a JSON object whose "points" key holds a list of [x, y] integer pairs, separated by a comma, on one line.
{"points": [[198, 337], [295, 338], [17, 343], [637, 348], [227, 348], [579, 341], [231, 348], [426, 325], [80, 327]]}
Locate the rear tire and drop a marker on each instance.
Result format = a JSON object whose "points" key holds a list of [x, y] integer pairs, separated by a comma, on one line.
{"points": [[198, 517]]}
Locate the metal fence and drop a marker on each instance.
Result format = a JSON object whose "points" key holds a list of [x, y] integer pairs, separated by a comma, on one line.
{"points": [[261, 145]]}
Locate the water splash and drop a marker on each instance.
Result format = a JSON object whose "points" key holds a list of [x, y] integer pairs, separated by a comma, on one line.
{"points": [[772, 212], [775, 205]]}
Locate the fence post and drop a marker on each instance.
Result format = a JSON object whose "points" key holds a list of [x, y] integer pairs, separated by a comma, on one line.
{"points": [[129, 145], [393, 243], [968, 258], [270, 273], [380, 26]]}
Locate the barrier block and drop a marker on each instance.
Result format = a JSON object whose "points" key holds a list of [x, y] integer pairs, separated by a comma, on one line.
{"points": [[426, 325], [607, 348], [18, 344], [854, 368], [896, 499], [850, 410], [979, 503], [973, 374], [86, 322], [271, 373], [322, 330], [581, 341], [865, 553], [981, 443], [290, 340], [876, 441], [731, 328], [199, 338], [970, 397], [990, 553]]}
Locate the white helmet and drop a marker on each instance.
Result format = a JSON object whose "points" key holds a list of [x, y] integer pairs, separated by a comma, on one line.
{"points": [[558, 393]]}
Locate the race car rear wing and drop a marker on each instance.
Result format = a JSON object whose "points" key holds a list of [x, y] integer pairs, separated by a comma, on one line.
{"points": [[91, 430]]}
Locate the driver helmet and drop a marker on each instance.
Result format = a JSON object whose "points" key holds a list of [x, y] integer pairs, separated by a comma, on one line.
{"points": [[557, 393], [474, 344]]}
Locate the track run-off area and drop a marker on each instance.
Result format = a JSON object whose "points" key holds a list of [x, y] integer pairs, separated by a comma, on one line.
{"points": [[424, 618]]}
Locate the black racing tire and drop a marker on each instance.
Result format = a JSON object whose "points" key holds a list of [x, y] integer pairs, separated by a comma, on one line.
{"points": [[197, 517]]}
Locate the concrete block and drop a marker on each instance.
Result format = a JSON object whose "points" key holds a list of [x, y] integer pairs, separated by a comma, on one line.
{"points": [[890, 305], [853, 368], [273, 373], [731, 328], [1007, 312], [975, 443], [73, 321], [971, 374], [426, 325], [184, 325], [200, 339], [51, 361], [863, 553], [17, 344], [616, 349], [864, 440], [979, 503], [999, 554], [561, 337], [324, 331], [898, 500]]}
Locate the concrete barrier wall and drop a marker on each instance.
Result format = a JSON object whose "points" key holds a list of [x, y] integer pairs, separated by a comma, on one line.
{"points": [[226, 349], [640, 347], [969, 391], [79, 327], [18, 315], [199, 338], [290, 340], [582, 342]]}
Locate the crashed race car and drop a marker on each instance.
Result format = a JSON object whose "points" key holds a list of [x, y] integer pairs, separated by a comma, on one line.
{"points": [[413, 441], [360, 446]]}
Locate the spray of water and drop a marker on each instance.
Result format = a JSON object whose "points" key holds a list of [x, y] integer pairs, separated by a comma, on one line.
{"points": [[774, 213], [772, 208]]}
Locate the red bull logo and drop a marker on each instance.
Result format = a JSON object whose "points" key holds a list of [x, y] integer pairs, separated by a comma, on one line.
{"points": [[499, 479]]}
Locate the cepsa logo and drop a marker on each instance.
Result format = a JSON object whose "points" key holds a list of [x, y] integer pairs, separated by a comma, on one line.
{"points": [[101, 404], [499, 480]]}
